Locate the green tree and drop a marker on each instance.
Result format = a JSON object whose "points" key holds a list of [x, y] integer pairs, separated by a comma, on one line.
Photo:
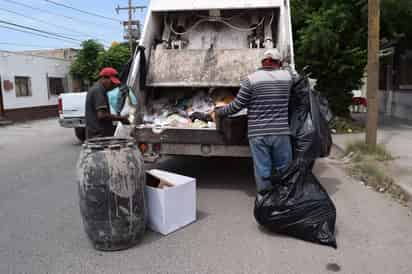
{"points": [[396, 16], [116, 56], [331, 39], [93, 57], [85, 66]]}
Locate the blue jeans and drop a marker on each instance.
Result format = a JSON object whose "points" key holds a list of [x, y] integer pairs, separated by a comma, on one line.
{"points": [[269, 153]]}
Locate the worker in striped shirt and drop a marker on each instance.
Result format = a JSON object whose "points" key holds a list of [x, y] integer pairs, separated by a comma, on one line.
{"points": [[265, 93]]}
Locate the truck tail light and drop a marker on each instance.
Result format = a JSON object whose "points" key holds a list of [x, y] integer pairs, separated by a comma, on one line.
{"points": [[60, 105]]}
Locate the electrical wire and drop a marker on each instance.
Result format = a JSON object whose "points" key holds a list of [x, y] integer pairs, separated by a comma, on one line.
{"points": [[219, 20], [37, 34], [230, 18], [243, 29], [50, 24], [40, 31], [272, 18], [49, 12], [83, 11], [35, 19]]}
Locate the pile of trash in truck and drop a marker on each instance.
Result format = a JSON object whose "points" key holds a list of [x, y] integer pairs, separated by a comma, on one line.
{"points": [[186, 111]]}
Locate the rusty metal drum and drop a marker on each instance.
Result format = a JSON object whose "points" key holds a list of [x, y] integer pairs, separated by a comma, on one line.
{"points": [[111, 179]]}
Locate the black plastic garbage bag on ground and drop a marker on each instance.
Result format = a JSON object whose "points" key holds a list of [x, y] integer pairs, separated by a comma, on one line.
{"points": [[298, 206], [309, 115]]}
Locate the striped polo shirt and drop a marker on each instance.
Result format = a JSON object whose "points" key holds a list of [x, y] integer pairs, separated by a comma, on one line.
{"points": [[265, 94]]}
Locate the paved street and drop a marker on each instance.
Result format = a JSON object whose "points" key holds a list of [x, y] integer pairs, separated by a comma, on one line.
{"points": [[41, 231]]}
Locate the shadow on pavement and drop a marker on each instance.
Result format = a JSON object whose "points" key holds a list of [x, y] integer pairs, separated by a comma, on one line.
{"points": [[330, 184], [151, 236], [213, 173]]}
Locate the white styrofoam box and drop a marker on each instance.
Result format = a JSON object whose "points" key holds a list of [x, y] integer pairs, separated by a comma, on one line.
{"points": [[171, 208]]}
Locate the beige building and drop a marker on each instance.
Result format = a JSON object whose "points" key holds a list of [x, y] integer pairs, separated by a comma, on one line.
{"points": [[68, 54], [31, 81]]}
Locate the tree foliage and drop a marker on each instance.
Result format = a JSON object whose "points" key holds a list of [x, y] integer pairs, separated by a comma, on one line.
{"points": [[331, 39], [85, 65], [92, 57], [116, 57], [396, 16]]}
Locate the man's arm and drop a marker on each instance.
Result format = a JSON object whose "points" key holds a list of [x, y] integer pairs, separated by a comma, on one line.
{"points": [[240, 102], [103, 112]]}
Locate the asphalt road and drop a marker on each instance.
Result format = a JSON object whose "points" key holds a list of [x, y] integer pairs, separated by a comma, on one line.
{"points": [[41, 230]]}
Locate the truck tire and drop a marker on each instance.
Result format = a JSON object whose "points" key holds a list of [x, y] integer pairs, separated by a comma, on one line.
{"points": [[80, 133]]}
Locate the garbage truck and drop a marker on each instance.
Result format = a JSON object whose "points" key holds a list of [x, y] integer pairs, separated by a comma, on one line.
{"points": [[191, 53]]}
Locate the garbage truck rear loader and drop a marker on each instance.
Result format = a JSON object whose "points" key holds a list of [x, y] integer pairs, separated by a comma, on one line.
{"points": [[196, 49]]}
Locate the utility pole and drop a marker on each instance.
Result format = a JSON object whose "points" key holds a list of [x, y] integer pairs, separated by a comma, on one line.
{"points": [[373, 71], [130, 23]]}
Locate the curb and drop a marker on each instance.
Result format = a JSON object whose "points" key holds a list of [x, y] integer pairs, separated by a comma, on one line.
{"points": [[407, 191], [336, 152], [4, 123]]}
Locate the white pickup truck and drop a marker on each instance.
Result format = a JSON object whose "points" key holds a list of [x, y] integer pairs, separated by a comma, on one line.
{"points": [[72, 112]]}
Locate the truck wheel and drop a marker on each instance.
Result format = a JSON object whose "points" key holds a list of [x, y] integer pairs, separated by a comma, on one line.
{"points": [[80, 133]]}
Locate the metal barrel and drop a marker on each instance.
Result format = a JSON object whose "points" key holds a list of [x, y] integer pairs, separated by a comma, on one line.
{"points": [[111, 179]]}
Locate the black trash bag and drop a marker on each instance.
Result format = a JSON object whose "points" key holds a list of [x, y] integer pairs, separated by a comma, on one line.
{"points": [[297, 205], [205, 117], [309, 116]]}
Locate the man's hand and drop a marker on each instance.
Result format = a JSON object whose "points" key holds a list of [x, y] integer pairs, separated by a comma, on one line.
{"points": [[213, 115], [125, 120], [220, 104], [213, 112]]}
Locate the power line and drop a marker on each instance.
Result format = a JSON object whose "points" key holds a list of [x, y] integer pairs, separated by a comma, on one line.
{"points": [[39, 20], [83, 11], [48, 23], [49, 12], [40, 31], [130, 23], [37, 34]]}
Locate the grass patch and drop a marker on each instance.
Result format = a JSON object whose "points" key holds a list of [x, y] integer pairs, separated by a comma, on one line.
{"points": [[369, 165], [372, 174], [340, 125], [363, 150]]}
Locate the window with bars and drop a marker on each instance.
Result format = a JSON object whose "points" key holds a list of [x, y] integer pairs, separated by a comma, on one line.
{"points": [[23, 86], [56, 85]]}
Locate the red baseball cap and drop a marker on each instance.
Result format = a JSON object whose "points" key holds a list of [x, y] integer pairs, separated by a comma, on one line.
{"points": [[110, 73]]}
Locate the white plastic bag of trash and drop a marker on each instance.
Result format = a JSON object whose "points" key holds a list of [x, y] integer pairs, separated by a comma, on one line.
{"points": [[123, 131]]}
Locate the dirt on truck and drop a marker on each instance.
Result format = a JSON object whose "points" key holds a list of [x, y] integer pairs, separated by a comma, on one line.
{"points": [[193, 55]]}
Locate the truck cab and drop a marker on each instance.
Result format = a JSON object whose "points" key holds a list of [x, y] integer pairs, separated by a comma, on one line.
{"points": [[202, 46]]}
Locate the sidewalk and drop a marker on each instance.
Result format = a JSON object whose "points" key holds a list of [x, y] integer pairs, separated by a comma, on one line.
{"points": [[4, 121], [396, 135]]}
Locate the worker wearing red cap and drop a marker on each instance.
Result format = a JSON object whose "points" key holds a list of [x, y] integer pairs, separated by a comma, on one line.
{"points": [[99, 120]]}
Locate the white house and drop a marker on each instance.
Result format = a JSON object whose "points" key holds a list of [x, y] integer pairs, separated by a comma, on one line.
{"points": [[30, 84]]}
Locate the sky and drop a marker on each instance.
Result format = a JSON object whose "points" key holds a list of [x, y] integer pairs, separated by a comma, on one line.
{"points": [[67, 23]]}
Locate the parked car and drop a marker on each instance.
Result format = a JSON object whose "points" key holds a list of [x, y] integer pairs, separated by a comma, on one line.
{"points": [[359, 102], [72, 112]]}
